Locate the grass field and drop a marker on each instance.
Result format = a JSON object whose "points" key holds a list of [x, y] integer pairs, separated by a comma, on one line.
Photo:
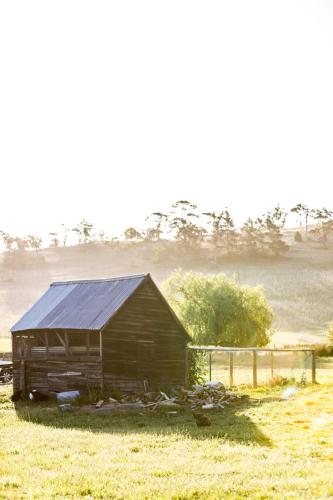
{"points": [[265, 448]]}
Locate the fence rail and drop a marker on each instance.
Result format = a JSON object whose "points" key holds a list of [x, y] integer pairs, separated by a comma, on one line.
{"points": [[263, 363]]}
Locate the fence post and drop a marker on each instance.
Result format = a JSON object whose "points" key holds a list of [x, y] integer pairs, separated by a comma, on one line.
{"points": [[231, 369], [210, 366], [186, 367], [272, 364], [254, 369], [313, 366]]}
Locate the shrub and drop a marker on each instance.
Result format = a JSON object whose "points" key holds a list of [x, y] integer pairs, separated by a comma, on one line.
{"points": [[197, 367], [298, 237], [216, 310], [323, 350]]}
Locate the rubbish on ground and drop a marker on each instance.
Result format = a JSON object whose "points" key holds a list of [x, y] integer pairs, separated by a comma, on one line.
{"points": [[65, 407], [112, 400], [37, 396], [207, 397], [64, 397]]}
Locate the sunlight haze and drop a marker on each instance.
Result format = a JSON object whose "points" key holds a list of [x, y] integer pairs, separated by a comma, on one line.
{"points": [[112, 110]]}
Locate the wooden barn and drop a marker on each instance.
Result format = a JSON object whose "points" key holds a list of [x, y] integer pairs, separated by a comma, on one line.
{"points": [[109, 333]]}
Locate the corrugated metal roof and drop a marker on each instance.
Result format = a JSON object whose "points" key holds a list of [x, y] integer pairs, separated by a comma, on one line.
{"points": [[79, 305]]}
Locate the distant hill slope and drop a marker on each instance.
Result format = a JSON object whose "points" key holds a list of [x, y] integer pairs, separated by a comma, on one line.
{"points": [[299, 287]]}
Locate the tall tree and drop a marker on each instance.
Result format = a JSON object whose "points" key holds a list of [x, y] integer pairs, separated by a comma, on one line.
{"points": [[84, 231], [183, 223], [274, 237], [156, 222], [223, 231], [278, 216], [65, 234], [324, 227], [8, 240], [34, 242], [54, 239], [252, 237], [303, 213]]}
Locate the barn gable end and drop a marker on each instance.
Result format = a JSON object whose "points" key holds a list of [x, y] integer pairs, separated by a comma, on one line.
{"points": [[144, 341]]}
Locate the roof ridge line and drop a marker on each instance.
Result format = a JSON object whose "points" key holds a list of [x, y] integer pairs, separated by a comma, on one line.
{"points": [[99, 280]]}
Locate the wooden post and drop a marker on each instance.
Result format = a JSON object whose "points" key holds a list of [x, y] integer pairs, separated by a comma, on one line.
{"points": [[88, 343], [272, 364], [231, 369], [186, 381], [313, 366], [254, 369], [210, 366], [101, 358], [23, 382], [46, 337]]}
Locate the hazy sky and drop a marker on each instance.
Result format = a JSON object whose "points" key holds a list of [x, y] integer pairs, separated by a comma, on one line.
{"points": [[110, 110]]}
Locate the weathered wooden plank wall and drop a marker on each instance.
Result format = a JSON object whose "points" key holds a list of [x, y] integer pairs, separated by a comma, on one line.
{"points": [[143, 342], [49, 375]]}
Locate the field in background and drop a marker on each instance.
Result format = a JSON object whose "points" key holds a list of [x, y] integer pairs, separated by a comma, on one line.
{"points": [[299, 287], [263, 448]]}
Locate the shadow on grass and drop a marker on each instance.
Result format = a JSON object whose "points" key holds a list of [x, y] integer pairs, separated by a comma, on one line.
{"points": [[230, 424]]}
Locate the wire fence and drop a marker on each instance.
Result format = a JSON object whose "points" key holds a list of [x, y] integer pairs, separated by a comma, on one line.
{"points": [[238, 366]]}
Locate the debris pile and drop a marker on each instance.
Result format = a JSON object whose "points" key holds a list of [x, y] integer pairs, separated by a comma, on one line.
{"points": [[210, 396]]}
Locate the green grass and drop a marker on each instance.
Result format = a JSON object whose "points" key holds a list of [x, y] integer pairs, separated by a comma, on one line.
{"points": [[265, 448]]}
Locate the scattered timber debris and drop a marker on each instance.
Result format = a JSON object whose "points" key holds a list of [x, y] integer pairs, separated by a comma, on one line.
{"points": [[210, 396], [65, 407]]}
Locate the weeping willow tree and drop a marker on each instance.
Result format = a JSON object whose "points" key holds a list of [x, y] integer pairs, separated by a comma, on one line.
{"points": [[215, 310]]}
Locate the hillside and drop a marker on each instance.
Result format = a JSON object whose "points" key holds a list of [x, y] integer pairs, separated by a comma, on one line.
{"points": [[299, 286]]}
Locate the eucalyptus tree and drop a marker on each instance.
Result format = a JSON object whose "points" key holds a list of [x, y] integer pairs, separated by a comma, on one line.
{"points": [[223, 231], [183, 223], [84, 231], [273, 236], [54, 239], [34, 242], [8, 240], [252, 237], [304, 213], [324, 228], [157, 224]]}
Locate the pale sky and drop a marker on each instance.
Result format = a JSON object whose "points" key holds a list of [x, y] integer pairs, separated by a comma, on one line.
{"points": [[111, 110]]}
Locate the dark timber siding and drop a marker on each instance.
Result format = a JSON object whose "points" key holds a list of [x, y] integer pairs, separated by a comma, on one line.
{"points": [[143, 342], [56, 376]]}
